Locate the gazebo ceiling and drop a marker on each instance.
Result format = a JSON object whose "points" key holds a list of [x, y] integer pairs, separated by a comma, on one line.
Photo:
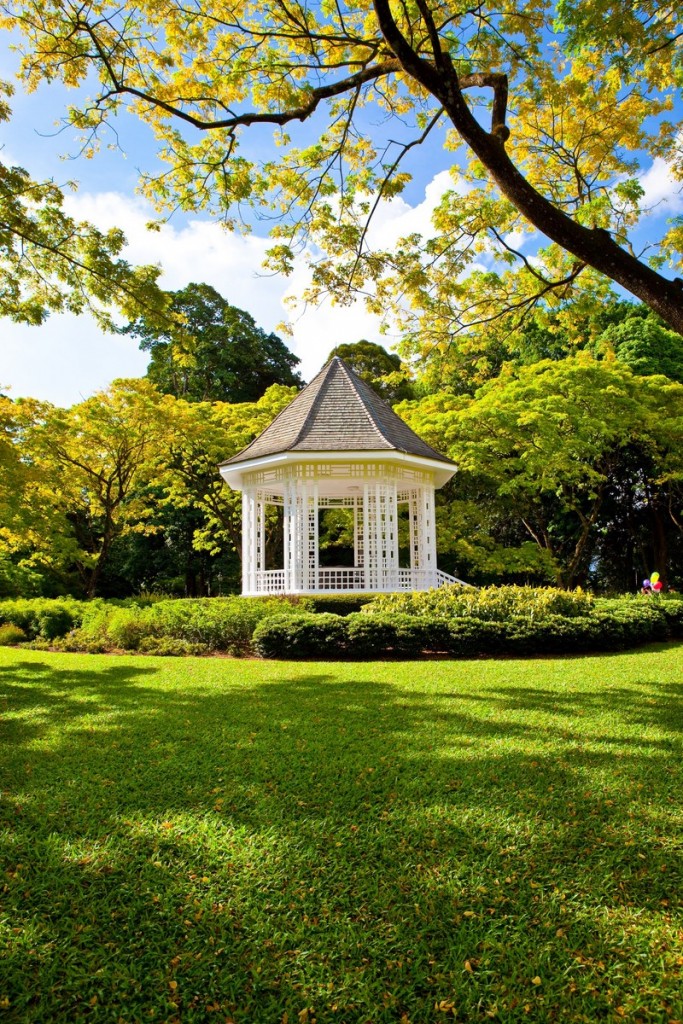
{"points": [[337, 412]]}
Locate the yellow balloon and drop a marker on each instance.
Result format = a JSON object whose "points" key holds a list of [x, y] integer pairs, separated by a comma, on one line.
{"points": [[654, 577]]}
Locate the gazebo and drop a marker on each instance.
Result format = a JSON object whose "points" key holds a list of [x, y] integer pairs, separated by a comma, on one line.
{"points": [[338, 445]]}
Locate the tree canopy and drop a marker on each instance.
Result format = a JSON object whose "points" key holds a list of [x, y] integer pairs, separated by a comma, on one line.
{"points": [[50, 262], [214, 352], [550, 109], [382, 370], [544, 445]]}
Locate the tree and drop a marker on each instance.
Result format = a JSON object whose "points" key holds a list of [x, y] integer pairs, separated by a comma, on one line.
{"points": [[382, 370], [200, 436], [641, 341], [122, 491], [51, 263], [546, 443], [588, 104], [218, 355], [89, 466]]}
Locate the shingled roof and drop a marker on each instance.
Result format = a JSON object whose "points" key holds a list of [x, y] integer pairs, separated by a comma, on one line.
{"points": [[336, 412]]}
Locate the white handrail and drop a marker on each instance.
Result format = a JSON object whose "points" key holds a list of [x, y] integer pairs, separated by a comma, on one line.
{"points": [[444, 579]]}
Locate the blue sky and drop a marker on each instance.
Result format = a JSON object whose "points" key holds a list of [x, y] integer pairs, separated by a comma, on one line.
{"points": [[69, 358]]}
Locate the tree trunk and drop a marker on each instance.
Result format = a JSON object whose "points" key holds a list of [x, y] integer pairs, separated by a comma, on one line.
{"points": [[593, 246]]}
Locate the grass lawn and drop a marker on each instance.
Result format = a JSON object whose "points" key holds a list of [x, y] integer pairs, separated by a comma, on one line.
{"points": [[213, 840]]}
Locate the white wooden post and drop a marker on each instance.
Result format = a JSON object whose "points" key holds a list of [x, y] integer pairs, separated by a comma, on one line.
{"points": [[248, 541]]}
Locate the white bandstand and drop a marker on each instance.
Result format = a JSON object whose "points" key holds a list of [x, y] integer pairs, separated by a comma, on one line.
{"points": [[337, 445]]}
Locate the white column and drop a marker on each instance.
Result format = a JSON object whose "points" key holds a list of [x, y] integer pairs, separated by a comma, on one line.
{"points": [[260, 540], [427, 535], [369, 537], [421, 505], [248, 541], [289, 524], [388, 535], [414, 518]]}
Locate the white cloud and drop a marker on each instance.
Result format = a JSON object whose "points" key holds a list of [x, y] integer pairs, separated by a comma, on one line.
{"points": [[516, 239], [662, 190], [69, 358]]}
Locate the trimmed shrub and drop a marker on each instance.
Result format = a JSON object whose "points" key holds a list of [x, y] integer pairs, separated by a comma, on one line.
{"points": [[410, 636], [11, 634], [42, 617], [494, 604], [473, 636], [215, 624], [321, 636], [371, 636], [167, 646]]}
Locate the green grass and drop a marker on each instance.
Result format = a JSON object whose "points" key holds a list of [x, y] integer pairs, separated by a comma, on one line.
{"points": [[209, 840]]}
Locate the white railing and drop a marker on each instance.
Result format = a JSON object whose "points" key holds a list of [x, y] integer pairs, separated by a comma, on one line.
{"points": [[349, 580], [340, 579], [443, 579]]}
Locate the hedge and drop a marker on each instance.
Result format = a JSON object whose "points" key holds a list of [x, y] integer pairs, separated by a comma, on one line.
{"points": [[320, 636], [495, 604], [42, 617], [163, 626], [453, 621], [625, 624], [208, 624]]}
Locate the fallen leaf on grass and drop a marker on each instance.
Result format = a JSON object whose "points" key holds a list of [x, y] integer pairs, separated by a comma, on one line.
{"points": [[536, 980]]}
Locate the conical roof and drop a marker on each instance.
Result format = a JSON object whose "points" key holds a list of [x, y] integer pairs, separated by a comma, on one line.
{"points": [[336, 412]]}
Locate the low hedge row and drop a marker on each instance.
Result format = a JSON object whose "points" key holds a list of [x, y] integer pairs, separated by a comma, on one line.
{"points": [[277, 628], [169, 626], [375, 636], [166, 626]]}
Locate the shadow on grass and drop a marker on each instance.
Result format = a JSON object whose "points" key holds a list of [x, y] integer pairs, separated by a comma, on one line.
{"points": [[330, 839]]}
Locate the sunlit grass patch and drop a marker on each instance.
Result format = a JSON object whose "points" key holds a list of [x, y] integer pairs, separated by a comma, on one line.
{"points": [[197, 840]]}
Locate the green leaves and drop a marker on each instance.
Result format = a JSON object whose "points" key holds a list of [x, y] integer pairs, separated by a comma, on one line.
{"points": [[50, 262], [545, 442]]}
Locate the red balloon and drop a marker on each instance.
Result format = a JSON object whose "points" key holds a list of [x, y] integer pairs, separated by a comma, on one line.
{"points": [[657, 586]]}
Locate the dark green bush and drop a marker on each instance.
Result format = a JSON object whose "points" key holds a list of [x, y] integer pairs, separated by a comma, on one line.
{"points": [[396, 635], [610, 626], [321, 636], [339, 604], [472, 636]]}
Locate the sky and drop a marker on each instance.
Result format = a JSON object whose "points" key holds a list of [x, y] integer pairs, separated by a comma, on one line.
{"points": [[69, 358]]}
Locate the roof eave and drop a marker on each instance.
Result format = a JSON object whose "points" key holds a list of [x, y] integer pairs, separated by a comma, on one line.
{"points": [[233, 472]]}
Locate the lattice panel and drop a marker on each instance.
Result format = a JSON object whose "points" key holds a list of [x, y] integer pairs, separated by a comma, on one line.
{"points": [[358, 534], [310, 582], [356, 472]]}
